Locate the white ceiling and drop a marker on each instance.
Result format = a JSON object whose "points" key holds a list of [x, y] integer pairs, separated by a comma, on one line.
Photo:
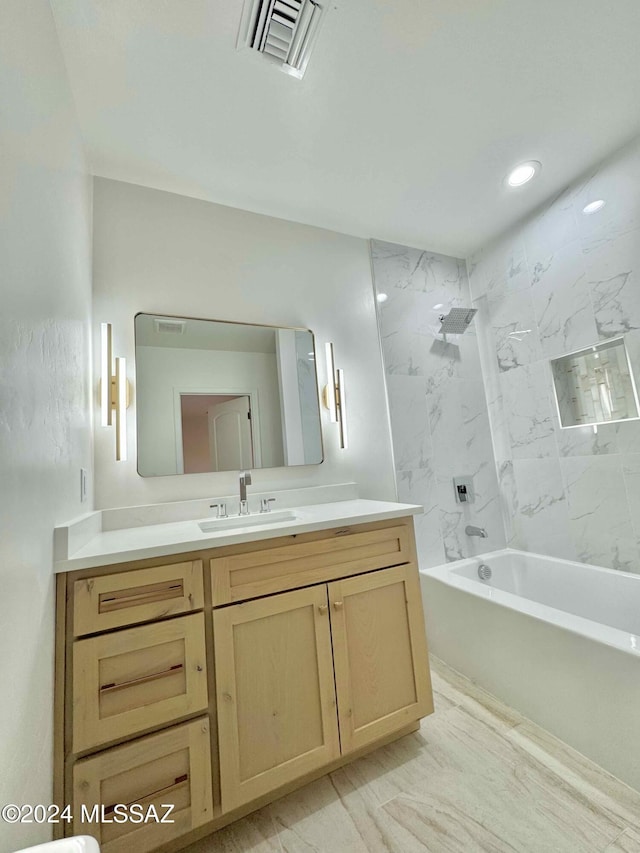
{"points": [[410, 113]]}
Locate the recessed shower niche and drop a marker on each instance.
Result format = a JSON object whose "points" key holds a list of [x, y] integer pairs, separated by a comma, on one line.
{"points": [[595, 385]]}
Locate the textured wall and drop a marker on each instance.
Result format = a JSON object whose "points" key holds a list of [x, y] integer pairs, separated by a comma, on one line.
{"points": [[439, 420], [168, 254], [571, 280], [45, 436]]}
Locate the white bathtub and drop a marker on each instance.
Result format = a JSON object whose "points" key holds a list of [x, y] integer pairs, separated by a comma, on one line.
{"points": [[556, 640]]}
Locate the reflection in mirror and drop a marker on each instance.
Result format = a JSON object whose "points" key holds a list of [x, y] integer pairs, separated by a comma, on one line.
{"points": [[595, 385], [219, 396]]}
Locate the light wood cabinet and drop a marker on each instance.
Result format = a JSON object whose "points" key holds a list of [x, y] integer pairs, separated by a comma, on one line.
{"points": [[278, 674], [130, 680], [126, 598], [218, 691], [276, 695], [170, 769], [240, 574], [380, 654]]}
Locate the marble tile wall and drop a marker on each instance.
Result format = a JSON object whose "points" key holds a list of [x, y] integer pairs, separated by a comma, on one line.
{"points": [[439, 416], [560, 281]]}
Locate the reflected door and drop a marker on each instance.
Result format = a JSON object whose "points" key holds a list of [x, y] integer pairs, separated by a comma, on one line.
{"points": [[230, 435]]}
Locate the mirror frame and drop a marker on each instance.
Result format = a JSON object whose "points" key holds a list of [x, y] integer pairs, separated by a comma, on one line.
{"points": [[231, 323]]}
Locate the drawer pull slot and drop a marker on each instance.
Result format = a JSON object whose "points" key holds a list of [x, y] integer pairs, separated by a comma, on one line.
{"points": [[109, 688], [179, 782], [135, 596]]}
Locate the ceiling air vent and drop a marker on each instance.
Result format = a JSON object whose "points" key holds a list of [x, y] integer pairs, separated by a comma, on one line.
{"points": [[171, 327], [282, 30]]}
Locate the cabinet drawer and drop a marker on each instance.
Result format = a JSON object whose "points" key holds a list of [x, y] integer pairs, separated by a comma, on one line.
{"points": [[113, 601], [240, 576], [169, 768], [131, 680]]}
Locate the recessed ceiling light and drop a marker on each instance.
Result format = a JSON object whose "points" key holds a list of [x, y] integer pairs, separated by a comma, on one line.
{"points": [[439, 305], [382, 297], [523, 173], [593, 206]]}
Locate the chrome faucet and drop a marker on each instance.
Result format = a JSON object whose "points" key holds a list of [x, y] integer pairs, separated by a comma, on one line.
{"points": [[221, 508], [471, 530], [245, 480]]}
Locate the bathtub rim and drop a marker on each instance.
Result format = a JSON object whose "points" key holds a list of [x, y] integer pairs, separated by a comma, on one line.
{"points": [[616, 638]]}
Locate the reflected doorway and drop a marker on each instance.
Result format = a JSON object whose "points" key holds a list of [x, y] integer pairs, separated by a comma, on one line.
{"points": [[217, 432]]}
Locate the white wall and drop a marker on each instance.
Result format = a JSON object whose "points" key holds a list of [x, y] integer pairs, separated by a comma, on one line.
{"points": [[571, 280], [164, 370], [167, 254], [45, 436]]}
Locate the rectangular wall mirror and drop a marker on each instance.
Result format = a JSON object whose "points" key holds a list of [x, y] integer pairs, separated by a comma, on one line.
{"points": [[595, 385], [220, 396]]}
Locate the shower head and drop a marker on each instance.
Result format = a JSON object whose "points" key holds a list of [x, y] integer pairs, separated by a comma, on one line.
{"points": [[456, 321]]}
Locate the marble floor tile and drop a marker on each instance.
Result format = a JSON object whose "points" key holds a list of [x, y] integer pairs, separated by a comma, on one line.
{"points": [[596, 786], [469, 788], [477, 776], [460, 691], [317, 818], [253, 834], [627, 842]]}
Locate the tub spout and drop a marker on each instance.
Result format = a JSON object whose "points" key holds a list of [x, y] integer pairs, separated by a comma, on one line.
{"points": [[471, 530]]}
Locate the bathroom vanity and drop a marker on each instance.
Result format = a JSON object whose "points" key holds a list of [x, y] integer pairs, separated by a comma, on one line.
{"points": [[217, 678]]}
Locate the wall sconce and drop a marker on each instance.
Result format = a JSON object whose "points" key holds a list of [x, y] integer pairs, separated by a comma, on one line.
{"points": [[334, 397], [114, 391]]}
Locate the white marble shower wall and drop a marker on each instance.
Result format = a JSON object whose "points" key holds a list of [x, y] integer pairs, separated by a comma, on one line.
{"points": [[439, 418], [560, 281]]}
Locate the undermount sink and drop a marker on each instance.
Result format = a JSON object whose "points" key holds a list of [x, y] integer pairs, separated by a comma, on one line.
{"points": [[274, 517]]}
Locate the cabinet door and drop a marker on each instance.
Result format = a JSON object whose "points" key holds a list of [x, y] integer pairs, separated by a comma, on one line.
{"points": [[275, 692], [380, 654], [131, 680], [140, 780]]}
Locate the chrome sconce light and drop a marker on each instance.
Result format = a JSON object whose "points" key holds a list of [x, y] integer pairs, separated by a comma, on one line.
{"points": [[114, 391], [334, 397]]}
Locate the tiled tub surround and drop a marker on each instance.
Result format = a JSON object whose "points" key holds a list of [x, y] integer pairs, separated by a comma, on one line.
{"points": [[566, 280], [439, 419]]}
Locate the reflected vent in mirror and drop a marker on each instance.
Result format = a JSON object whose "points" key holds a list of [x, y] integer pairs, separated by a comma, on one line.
{"points": [[167, 326]]}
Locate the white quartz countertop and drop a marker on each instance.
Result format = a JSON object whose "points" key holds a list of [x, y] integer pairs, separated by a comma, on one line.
{"points": [[161, 540]]}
